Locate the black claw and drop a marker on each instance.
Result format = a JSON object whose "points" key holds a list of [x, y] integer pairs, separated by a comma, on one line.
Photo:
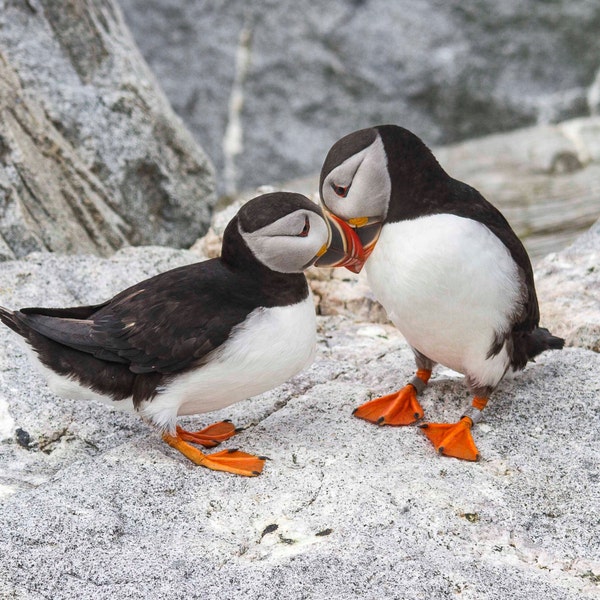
{"points": [[255, 472], [239, 429], [441, 450], [354, 411], [264, 458], [423, 426], [232, 450], [380, 420], [227, 420]]}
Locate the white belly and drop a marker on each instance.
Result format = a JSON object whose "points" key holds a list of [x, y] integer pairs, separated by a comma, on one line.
{"points": [[448, 284], [271, 346]]}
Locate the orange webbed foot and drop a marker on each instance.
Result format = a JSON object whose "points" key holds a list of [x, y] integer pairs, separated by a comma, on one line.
{"points": [[230, 461], [210, 436], [236, 461], [453, 439], [401, 408]]}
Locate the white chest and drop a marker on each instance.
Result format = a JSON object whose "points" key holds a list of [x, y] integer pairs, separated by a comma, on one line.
{"points": [[272, 345], [448, 284]]}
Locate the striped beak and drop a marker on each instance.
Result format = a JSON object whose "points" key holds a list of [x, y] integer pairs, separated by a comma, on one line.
{"points": [[367, 230], [349, 243]]}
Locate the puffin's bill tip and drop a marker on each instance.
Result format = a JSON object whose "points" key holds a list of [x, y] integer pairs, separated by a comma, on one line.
{"points": [[343, 249]]}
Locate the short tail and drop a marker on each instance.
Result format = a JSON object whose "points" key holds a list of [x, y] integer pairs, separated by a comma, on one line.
{"points": [[541, 339]]}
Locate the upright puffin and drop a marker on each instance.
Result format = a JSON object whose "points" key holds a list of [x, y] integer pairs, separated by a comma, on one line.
{"points": [[196, 338], [445, 264]]}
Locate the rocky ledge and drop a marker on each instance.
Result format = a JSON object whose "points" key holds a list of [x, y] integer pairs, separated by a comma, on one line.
{"points": [[94, 505]]}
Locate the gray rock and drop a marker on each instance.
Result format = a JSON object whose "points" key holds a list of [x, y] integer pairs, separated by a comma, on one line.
{"points": [[568, 287], [50, 200], [91, 154], [95, 506], [268, 86]]}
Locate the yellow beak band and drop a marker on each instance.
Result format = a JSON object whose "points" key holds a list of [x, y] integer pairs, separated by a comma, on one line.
{"points": [[322, 250], [359, 221]]}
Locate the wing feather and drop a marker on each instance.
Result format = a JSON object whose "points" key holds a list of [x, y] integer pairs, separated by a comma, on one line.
{"points": [[162, 325]]}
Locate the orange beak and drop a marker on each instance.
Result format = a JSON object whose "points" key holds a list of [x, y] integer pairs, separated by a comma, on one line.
{"points": [[348, 246], [368, 233]]}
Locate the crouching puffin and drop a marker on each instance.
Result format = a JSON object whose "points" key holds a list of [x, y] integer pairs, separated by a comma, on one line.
{"points": [[445, 264], [196, 338]]}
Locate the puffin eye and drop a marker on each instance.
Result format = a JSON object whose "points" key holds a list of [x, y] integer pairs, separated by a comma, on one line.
{"points": [[305, 229], [340, 190]]}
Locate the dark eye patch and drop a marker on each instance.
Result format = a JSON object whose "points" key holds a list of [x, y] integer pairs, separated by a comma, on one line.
{"points": [[340, 190], [306, 228]]}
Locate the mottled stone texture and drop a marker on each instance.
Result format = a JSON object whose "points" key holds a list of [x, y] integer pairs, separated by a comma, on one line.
{"points": [[92, 156], [569, 290], [268, 86], [93, 505]]}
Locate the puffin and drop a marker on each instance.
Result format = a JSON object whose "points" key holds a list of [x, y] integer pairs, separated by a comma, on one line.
{"points": [[445, 264], [196, 338]]}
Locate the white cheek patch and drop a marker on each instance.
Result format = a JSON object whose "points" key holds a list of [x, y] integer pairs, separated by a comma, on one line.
{"points": [[370, 185], [289, 224], [342, 175], [279, 247]]}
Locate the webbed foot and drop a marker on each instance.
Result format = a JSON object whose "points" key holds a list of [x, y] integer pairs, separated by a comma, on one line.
{"points": [[400, 408], [210, 436], [230, 461], [453, 439]]}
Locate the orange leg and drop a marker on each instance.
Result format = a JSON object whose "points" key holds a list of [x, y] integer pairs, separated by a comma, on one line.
{"points": [[210, 436], [400, 408], [230, 461], [455, 439]]}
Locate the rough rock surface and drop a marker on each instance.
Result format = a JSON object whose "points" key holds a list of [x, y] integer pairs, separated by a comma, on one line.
{"points": [[91, 153], [569, 290], [50, 200], [268, 86], [95, 506]]}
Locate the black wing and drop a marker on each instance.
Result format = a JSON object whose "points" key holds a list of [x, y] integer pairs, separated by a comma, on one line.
{"points": [[164, 324]]}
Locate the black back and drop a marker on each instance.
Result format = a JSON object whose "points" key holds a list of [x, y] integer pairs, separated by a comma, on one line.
{"points": [[159, 327]]}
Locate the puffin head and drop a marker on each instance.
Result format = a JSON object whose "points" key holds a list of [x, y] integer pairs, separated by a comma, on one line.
{"points": [[364, 179], [286, 232]]}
